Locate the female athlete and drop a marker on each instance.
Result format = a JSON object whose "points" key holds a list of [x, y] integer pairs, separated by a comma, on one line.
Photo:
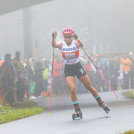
{"points": [[70, 52]]}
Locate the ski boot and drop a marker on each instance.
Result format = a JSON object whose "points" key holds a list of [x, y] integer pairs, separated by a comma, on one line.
{"points": [[77, 114], [104, 106]]}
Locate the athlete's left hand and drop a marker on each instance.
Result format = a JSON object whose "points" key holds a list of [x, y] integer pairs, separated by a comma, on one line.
{"points": [[80, 43]]}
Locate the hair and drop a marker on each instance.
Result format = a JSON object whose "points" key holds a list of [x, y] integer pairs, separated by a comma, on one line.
{"points": [[17, 53], [7, 57]]}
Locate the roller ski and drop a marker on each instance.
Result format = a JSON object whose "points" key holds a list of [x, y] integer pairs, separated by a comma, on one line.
{"points": [[103, 105], [77, 115]]}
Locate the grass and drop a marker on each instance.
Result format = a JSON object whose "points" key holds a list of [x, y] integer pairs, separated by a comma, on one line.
{"points": [[25, 104], [129, 132], [19, 111], [130, 95]]}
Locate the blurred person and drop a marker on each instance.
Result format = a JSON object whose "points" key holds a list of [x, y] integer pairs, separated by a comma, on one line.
{"points": [[105, 72], [20, 82], [57, 75], [120, 78], [8, 78], [132, 73], [38, 77], [114, 70], [31, 63], [1, 61], [26, 80], [125, 63], [45, 73], [63, 82], [90, 72], [99, 82], [50, 71], [130, 54], [70, 53], [30, 77], [25, 62]]}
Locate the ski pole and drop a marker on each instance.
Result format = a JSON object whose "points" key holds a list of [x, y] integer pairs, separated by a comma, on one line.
{"points": [[51, 82], [100, 73]]}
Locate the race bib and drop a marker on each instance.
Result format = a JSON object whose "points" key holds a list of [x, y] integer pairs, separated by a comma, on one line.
{"points": [[69, 55]]}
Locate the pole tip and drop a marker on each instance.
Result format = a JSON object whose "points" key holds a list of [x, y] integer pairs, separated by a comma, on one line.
{"points": [[49, 113]]}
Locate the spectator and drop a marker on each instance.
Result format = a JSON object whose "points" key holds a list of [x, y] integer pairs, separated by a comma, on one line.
{"points": [[114, 68], [29, 77], [25, 62], [99, 82], [105, 72], [90, 72], [126, 63], [20, 84], [38, 77], [56, 75], [64, 87], [1, 61], [45, 73], [8, 80], [132, 73]]}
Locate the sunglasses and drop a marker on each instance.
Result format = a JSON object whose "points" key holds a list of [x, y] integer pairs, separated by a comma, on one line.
{"points": [[69, 37]]}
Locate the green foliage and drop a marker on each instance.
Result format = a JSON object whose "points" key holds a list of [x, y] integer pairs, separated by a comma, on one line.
{"points": [[26, 103], [20, 110], [129, 94], [129, 132]]}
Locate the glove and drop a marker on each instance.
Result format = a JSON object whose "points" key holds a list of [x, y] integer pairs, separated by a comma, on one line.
{"points": [[54, 34]]}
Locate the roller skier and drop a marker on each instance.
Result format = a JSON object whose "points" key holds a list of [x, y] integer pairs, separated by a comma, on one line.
{"points": [[70, 52]]}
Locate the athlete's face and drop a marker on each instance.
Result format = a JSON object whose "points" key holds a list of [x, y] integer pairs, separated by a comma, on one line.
{"points": [[68, 39]]}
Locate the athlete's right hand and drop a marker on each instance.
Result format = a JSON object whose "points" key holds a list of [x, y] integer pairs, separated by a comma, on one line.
{"points": [[54, 34]]}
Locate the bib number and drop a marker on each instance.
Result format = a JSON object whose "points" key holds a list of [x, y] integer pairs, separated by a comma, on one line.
{"points": [[70, 55]]}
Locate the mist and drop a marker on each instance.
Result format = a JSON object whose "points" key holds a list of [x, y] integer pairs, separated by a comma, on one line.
{"points": [[104, 26]]}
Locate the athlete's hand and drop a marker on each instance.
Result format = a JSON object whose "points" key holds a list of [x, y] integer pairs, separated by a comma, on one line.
{"points": [[79, 43], [54, 34]]}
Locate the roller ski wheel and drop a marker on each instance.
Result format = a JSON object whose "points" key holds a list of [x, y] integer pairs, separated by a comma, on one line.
{"points": [[77, 115], [104, 107]]}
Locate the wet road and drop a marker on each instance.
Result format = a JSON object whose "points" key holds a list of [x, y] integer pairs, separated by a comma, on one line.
{"points": [[95, 121]]}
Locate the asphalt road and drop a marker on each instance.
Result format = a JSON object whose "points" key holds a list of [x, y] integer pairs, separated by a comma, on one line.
{"points": [[95, 120]]}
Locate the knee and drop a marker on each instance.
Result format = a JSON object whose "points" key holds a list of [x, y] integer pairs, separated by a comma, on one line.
{"points": [[72, 91]]}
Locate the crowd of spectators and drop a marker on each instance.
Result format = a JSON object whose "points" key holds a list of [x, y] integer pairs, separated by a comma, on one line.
{"points": [[20, 79]]}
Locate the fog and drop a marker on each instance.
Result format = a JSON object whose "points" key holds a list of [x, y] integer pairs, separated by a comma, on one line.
{"points": [[105, 26]]}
